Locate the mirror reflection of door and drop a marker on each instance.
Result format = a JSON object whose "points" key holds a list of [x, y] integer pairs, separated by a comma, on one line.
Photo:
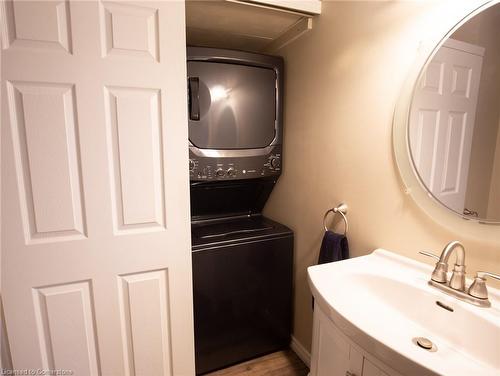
{"points": [[454, 128], [443, 118]]}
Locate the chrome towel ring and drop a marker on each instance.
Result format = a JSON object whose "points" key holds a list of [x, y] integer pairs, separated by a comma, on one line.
{"points": [[342, 210]]}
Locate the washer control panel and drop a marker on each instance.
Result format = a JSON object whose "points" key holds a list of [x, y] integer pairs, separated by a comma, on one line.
{"points": [[233, 168]]}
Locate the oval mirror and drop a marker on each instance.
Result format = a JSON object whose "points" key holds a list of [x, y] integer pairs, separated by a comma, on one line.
{"points": [[449, 129]]}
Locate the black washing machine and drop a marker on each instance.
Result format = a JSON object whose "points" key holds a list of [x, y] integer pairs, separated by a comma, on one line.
{"points": [[242, 281]]}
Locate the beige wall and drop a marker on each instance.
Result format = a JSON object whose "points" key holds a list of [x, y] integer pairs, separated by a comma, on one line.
{"points": [[342, 82], [494, 202], [483, 30]]}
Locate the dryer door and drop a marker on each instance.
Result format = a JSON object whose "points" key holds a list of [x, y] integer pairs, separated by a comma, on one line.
{"points": [[231, 106]]}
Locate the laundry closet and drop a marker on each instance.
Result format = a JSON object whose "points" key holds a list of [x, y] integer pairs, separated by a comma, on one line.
{"points": [[242, 261]]}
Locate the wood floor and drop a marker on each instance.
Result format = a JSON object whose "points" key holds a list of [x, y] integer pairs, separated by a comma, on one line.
{"points": [[281, 363]]}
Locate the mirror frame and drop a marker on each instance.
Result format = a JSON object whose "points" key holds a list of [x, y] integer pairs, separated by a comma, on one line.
{"points": [[478, 229]]}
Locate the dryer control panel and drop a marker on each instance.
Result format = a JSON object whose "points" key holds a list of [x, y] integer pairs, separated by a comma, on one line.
{"points": [[207, 168]]}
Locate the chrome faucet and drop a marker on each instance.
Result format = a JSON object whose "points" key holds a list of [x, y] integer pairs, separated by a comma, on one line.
{"points": [[457, 281], [476, 294]]}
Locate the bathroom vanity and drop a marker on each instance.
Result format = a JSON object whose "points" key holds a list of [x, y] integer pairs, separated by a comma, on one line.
{"points": [[371, 312], [334, 353]]}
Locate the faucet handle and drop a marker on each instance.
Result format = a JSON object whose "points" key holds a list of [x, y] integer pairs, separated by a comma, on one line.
{"points": [[478, 287], [429, 254], [483, 275], [440, 270]]}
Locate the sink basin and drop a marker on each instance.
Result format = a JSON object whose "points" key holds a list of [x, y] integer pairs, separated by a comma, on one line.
{"points": [[383, 301]]}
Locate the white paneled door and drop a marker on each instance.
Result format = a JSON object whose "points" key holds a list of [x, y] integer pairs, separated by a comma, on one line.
{"points": [[442, 121], [96, 262]]}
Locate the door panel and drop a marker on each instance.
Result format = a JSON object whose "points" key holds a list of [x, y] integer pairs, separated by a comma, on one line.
{"points": [[44, 127], [96, 259], [136, 158], [65, 317], [453, 154], [129, 30], [144, 307], [44, 25]]}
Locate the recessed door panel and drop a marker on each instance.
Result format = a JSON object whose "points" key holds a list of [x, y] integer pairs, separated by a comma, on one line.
{"points": [[432, 79], [424, 138], [45, 133], [136, 155], [129, 31], [38, 25], [145, 319], [65, 323], [454, 152]]}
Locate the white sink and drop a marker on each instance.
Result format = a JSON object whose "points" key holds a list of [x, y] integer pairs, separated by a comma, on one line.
{"points": [[382, 301]]}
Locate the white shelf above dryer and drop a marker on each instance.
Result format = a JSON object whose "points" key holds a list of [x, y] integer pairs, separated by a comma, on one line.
{"points": [[312, 7], [258, 26]]}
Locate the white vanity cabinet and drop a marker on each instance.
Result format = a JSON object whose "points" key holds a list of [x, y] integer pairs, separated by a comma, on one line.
{"points": [[333, 354]]}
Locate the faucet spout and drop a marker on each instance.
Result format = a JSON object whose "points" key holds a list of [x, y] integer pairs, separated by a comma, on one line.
{"points": [[457, 280], [448, 250]]}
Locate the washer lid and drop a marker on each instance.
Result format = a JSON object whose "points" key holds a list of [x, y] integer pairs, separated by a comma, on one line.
{"points": [[237, 230]]}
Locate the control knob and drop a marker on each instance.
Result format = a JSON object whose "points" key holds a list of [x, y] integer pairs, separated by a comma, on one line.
{"points": [[275, 162], [220, 172], [231, 172], [191, 165]]}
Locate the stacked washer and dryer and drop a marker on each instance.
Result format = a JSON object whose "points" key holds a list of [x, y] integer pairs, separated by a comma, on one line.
{"points": [[242, 261]]}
